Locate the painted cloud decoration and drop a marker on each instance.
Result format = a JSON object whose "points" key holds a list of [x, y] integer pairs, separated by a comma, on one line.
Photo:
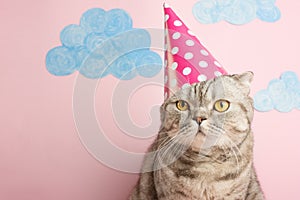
{"points": [[235, 11], [104, 43], [282, 94]]}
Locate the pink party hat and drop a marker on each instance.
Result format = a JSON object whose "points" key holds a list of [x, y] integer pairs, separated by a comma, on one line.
{"points": [[187, 61]]}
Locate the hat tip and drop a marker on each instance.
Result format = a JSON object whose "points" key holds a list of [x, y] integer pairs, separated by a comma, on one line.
{"points": [[166, 5]]}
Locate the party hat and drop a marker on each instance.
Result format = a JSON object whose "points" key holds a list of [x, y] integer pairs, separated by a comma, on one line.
{"points": [[187, 61]]}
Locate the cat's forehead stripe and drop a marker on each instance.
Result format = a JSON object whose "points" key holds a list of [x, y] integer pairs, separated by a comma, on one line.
{"points": [[206, 87], [192, 92]]}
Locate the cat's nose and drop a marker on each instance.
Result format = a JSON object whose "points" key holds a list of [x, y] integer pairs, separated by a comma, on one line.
{"points": [[199, 120]]}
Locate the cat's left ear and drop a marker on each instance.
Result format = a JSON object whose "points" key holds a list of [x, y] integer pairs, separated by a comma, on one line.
{"points": [[245, 78]]}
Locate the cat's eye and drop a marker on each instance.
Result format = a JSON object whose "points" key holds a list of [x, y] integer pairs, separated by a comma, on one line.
{"points": [[221, 105], [182, 105]]}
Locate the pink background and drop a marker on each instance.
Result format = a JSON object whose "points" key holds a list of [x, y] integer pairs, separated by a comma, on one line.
{"points": [[41, 154]]}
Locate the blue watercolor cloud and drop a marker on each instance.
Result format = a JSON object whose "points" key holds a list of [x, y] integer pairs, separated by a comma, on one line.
{"points": [[236, 12], [104, 43], [282, 94]]}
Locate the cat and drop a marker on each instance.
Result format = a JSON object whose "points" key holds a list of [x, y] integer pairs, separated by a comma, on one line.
{"points": [[204, 149]]}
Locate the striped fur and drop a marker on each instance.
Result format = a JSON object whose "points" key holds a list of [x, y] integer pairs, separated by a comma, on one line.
{"points": [[210, 161]]}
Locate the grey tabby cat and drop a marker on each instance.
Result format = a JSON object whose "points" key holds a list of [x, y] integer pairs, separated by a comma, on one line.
{"points": [[204, 149]]}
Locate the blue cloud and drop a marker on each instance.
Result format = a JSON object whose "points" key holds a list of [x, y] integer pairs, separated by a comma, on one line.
{"points": [[282, 94], [235, 11], [104, 43]]}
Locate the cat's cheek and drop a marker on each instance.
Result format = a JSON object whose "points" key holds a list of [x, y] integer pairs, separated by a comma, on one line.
{"points": [[173, 128], [241, 126], [175, 131]]}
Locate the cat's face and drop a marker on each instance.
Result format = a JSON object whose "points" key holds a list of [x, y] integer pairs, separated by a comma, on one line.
{"points": [[209, 114]]}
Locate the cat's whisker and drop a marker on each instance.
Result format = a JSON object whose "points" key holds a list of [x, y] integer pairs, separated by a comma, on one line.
{"points": [[169, 144], [174, 148], [236, 157], [169, 139], [165, 141], [235, 146], [236, 150], [223, 147], [215, 130]]}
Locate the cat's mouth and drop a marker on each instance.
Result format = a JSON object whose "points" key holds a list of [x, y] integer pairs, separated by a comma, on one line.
{"points": [[201, 133], [198, 141]]}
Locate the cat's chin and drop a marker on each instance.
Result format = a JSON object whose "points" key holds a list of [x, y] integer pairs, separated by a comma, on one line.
{"points": [[198, 142], [195, 156]]}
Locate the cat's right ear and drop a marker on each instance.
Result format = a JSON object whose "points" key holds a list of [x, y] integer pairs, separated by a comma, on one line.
{"points": [[245, 78]]}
